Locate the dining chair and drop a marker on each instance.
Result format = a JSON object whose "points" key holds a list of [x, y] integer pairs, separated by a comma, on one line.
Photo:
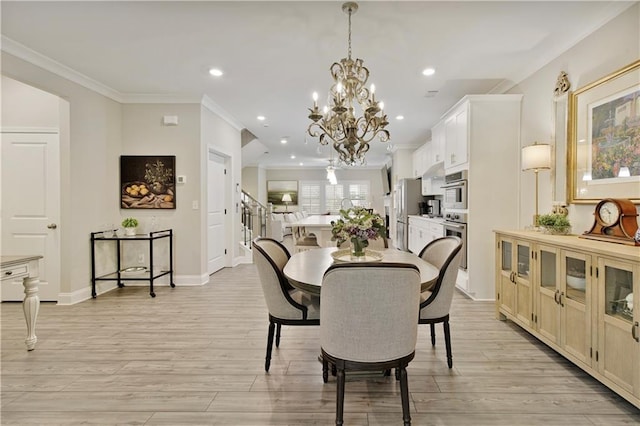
{"points": [[302, 240], [286, 305], [445, 253], [369, 316]]}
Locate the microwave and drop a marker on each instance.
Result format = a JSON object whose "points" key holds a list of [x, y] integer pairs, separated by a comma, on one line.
{"points": [[455, 191]]}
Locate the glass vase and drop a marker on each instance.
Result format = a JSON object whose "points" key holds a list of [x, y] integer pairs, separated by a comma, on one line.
{"points": [[358, 249]]}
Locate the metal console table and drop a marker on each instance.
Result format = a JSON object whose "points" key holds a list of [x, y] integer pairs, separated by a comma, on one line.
{"points": [[119, 275]]}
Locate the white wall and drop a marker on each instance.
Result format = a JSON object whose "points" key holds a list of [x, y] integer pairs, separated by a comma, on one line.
{"points": [[225, 139], [144, 134], [26, 106], [90, 145], [606, 50]]}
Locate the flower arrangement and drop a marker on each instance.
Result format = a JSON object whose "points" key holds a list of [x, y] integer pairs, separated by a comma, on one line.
{"points": [[358, 225]]}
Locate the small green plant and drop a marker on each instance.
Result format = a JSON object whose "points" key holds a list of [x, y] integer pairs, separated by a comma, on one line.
{"points": [[556, 223], [130, 222]]}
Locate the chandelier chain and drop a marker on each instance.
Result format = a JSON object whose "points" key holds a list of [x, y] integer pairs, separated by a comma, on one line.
{"points": [[349, 33]]}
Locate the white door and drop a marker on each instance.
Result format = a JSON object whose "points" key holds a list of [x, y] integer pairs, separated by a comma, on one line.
{"points": [[216, 194], [31, 208]]}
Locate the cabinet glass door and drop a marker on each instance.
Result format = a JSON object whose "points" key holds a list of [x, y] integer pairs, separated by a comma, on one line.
{"points": [[575, 277], [575, 296], [523, 261], [506, 256], [619, 347], [618, 293], [548, 311]]}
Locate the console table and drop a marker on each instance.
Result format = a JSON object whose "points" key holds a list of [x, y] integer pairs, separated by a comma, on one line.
{"points": [[25, 267], [121, 275]]}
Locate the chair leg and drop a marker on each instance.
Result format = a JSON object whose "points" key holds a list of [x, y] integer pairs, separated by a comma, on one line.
{"points": [[340, 398], [278, 335], [433, 334], [447, 342], [404, 395], [325, 370], [267, 362]]}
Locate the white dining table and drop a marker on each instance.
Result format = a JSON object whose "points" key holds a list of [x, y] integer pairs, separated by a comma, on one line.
{"points": [[306, 269], [320, 226]]}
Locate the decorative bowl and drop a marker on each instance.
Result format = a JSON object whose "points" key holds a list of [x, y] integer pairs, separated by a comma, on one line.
{"points": [[345, 256], [579, 283]]}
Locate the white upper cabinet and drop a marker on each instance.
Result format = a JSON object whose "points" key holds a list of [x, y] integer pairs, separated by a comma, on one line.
{"points": [[436, 153], [456, 137], [420, 160]]}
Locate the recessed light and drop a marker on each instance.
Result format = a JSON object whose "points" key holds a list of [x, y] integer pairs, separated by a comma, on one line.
{"points": [[261, 117], [215, 72], [428, 71], [400, 117], [283, 141], [293, 157], [302, 164]]}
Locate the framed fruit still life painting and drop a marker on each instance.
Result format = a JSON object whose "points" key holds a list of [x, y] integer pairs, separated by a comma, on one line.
{"points": [[147, 182]]}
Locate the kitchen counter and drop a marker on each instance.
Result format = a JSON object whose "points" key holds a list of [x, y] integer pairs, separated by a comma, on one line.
{"points": [[438, 220]]}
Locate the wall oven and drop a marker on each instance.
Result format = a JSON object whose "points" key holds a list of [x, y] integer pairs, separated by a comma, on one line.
{"points": [[455, 224], [455, 190]]}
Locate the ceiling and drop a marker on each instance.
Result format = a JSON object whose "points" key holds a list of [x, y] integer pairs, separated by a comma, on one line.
{"points": [[275, 54]]}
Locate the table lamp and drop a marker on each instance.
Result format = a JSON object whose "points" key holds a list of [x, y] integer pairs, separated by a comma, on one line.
{"points": [[536, 157], [286, 199]]}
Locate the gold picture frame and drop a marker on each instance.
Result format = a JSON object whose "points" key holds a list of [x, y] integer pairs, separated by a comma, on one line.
{"points": [[604, 138]]}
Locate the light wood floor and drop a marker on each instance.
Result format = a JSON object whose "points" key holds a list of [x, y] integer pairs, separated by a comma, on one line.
{"points": [[195, 355]]}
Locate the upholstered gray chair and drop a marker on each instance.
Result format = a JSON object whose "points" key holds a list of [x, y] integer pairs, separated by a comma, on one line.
{"points": [[286, 305], [369, 316], [444, 253]]}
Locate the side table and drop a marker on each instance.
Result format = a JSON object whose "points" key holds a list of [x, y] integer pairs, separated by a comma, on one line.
{"points": [[121, 275]]}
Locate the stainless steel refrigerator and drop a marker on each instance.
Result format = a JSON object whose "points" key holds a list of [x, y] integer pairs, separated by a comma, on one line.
{"points": [[408, 193]]}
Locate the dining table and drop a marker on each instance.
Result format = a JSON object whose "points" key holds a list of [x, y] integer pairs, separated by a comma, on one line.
{"points": [[318, 225], [306, 269]]}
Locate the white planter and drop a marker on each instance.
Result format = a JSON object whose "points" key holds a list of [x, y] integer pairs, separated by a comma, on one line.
{"points": [[130, 232]]}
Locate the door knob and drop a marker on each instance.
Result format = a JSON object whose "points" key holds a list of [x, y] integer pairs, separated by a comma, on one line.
{"points": [[52, 226]]}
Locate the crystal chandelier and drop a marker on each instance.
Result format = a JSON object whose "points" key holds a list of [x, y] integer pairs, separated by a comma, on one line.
{"points": [[337, 123]]}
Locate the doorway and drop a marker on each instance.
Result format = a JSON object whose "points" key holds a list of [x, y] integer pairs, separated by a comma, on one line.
{"points": [[216, 211]]}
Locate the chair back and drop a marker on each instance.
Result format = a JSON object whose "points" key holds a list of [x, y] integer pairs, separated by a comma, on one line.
{"points": [[446, 254], [369, 311], [270, 257]]}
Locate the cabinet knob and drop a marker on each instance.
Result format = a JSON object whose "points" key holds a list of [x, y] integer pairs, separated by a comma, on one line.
{"points": [[556, 297], [52, 226], [561, 296], [8, 273], [634, 332]]}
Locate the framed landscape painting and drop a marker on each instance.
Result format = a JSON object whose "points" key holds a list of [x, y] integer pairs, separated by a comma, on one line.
{"points": [[276, 190], [604, 142], [147, 182]]}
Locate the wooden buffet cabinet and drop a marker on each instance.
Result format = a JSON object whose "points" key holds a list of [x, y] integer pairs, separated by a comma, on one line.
{"points": [[573, 295]]}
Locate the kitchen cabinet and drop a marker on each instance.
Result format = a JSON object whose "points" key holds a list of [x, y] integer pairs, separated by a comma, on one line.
{"points": [[420, 160], [456, 137], [422, 231], [585, 298], [436, 153], [482, 136]]}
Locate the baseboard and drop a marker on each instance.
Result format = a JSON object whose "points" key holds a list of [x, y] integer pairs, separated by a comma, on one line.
{"points": [[106, 286]]}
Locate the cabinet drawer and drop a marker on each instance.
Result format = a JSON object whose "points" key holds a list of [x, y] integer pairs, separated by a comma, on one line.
{"points": [[15, 271]]}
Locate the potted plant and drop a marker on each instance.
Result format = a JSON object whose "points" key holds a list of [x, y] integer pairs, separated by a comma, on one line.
{"points": [[554, 223], [130, 224], [357, 225]]}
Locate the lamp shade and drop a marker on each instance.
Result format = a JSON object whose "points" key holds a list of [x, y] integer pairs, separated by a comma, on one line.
{"points": [[286, 198], [536, 157]]}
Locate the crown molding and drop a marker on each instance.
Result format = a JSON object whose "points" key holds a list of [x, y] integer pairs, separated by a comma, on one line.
{"points": [[212, 106], [26, 54], [140, 98]]}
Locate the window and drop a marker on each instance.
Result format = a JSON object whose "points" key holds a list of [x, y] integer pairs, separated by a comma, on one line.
{"points": [[320, 197]]}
